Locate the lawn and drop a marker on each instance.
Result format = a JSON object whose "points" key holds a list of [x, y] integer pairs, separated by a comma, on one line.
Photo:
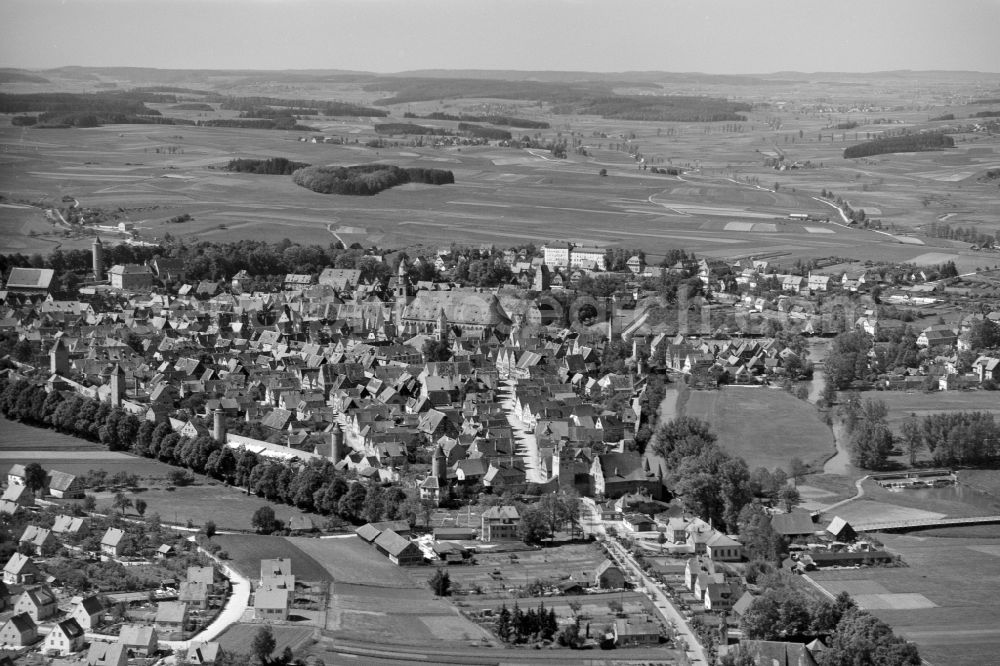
{"points": [[944, 598], [238, 638], [247, 550], [766, 427]]}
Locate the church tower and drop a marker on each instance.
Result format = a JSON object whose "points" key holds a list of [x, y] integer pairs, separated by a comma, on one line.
{"points": [[59, 358], [336, 443], [97, 251], [402, 295], [442, 327], [439, 465], [117, 386]]}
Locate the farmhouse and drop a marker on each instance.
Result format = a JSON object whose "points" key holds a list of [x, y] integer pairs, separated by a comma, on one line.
{"points": [[65, 486], [938, 335], [37, 538], [400, 550], [795, 524]]}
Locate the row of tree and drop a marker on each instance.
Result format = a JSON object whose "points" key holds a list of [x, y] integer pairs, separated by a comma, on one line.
{"points": [[518, 626], [315, 486]]}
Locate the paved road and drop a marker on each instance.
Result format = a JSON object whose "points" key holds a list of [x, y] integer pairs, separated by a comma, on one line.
{"points": [[523, 436], [660, 600]]}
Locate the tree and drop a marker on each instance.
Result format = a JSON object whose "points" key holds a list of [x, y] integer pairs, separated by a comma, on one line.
{"points": [[797, 469], [436, 350], [861, 639], [570, 635], [534, 525], [140, 507], [34, 477], [790, 497], [263, 644], [89, 502], [121, 502], [353, 502], [503, 624], [440, 582], [209, 529], [264, 521], [602, 172], [912, 437]]}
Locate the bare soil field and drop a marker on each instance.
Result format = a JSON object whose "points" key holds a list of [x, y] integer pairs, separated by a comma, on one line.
{"points": [[766, 427], [247, 550], [944, 598]]}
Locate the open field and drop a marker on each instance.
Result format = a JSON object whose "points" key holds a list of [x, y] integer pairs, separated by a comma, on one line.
{"points": [[505, 196], [944, 599], [247, 550], [520, 569], [766, 427], [237, 638], [903, 403]]}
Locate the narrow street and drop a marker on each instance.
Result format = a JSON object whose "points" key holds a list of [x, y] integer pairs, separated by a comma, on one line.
{"points": [[524, 437]]}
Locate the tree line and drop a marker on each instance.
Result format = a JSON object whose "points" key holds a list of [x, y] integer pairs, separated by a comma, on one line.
{"points": [[301, 106], [315, 486], [505, 121], [480, 132], [853, 636], [366, 180], [907, 143], [276, 166]]}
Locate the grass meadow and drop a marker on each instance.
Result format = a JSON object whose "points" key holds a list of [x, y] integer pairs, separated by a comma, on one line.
{"points": [[766, 427]]}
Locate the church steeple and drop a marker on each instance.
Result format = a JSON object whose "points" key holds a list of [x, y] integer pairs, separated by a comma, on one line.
{"points": [[442, 326]]}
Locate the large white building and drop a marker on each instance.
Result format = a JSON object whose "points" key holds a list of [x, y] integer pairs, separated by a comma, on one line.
{"points": [[557, 254], [563, 255]]}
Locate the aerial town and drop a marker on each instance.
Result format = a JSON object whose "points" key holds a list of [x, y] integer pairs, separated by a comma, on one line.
{"points": [[622, 355]]}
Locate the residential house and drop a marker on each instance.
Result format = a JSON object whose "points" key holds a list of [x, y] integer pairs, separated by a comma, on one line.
{"points": [[107, 654], [20, 570], [195, 595], [19, 630], [88, 612], [206, 576], [281, 566], [38, 602], [171, 616], [609, 576], [67, 525], [718, 597], [37, 538], [131, 277], [500, 523], [65, 638], [141, 640], [778, 652], [19, 495], [112, 542], [203, 653], [636, 631], [988, 368], [721, 548], [271, 604]]}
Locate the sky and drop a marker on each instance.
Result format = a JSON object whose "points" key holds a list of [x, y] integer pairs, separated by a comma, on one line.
{"points": [[712, 36]]}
